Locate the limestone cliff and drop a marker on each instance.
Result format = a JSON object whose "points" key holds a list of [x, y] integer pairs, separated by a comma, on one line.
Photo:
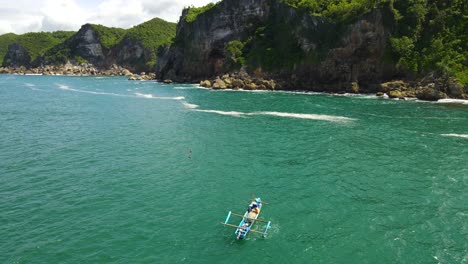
{"points": [[281, 42], [16, 56]]}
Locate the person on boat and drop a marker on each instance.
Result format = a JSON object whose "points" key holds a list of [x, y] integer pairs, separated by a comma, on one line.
{"points": [[255, 203], [252, 215], [243, 230]]}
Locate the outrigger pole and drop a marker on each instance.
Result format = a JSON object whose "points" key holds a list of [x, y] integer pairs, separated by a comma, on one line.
{"points": [[263, 233]]}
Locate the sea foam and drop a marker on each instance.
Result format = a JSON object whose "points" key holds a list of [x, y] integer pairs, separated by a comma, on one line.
{"points": [[455, 135], [144, 95], [190, 106], [307, 116], [452, 101], [281, 114], [229, 113]]}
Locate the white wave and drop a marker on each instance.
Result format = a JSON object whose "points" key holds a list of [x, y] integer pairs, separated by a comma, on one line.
{"points": [[137, 95], [190, 106], [229, 113], [280, 114], [63, 87], [455, 135], [150, 96], [307, 116], [33, 87], [185, 87], [144, 95], [452, 101], [170, 98]]}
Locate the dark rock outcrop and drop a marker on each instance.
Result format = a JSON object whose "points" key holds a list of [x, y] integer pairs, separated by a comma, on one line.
{"points": [[16, 56], [131, 55], [328, 56], [199, 49]]}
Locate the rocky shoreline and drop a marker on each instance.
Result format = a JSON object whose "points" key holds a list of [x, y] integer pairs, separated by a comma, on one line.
{"points": [[428, 89], [84, 69]]}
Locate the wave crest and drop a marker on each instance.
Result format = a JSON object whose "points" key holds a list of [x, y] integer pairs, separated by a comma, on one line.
{"points": [[455, 135]]}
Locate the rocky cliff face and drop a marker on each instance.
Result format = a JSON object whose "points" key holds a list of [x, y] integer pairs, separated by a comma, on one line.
{"points": [[199, 49], [131, 55], [280, 42], [86, 44], [16, 56]]}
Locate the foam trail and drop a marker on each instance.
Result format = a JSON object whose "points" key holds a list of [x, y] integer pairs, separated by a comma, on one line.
{"points": [[280, 114], [190, 106], [452, 101], [66, 87], [32, 87], [229, 113], [137, 95], [455, 135], [307, 116], [144, 95]]}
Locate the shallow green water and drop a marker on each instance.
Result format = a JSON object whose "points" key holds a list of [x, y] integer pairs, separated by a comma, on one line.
{"points": [[98, 170]]}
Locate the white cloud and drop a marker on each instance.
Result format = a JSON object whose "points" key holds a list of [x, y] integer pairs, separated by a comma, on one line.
{"points": [[22, 16]]}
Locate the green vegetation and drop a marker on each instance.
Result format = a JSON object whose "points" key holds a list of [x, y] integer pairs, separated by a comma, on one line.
{"points": [[109, 36], [5, 41], [235, 54], [152, 34], [429, 35], [36, 43], [193, 12], [336, 10]]}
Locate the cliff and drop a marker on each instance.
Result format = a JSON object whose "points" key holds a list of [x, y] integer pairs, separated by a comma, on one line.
{"points": [[350, 46], [278, 41], [98, 45]]}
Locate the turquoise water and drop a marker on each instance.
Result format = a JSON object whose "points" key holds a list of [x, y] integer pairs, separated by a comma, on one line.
{"points": [[99, 170]]}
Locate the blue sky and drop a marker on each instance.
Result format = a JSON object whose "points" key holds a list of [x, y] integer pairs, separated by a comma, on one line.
{"points": [[21, 16]]}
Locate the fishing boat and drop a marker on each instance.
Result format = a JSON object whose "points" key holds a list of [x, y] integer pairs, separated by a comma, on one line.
{"points": [[248, 219]]}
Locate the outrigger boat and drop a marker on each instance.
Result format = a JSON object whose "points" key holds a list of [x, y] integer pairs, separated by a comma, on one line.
{"points": [[248, 220]]}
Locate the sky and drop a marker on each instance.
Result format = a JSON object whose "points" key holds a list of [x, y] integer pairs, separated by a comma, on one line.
{"points": [[21, 16]]}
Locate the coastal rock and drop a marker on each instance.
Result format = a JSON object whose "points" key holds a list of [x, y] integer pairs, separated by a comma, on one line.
{"points": [[167, 81], [238, 83], [395, 94], [455, 89], [16, 56], [393, 86], [250, 86], [205, 83], [219, 84], [354, 87], [429, 94]]}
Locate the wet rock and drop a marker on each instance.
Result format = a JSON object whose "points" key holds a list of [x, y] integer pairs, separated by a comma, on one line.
{"points": [[219, 84], [395, 94], [238, 83], [205, 83], [167, 81], [354, 87], [455, 89], [429, 94]]}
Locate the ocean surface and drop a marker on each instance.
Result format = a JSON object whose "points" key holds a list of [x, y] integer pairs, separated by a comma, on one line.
{"points": [[104, 170]]}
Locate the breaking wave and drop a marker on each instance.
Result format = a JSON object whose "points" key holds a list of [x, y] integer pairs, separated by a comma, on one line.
{"points": [[452, 101], [279, 114], [455, 135], [307, 116], [137, 95], [144, 95], [229, 113], [190, 106]]}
